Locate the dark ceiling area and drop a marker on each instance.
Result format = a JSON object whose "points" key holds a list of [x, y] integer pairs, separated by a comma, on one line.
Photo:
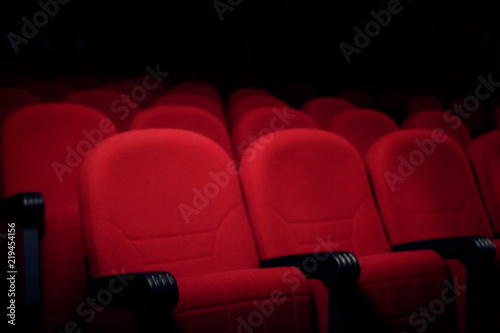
{"points": [[421, 45]]}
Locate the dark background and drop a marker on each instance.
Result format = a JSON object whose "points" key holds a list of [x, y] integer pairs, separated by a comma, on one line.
{"points": [[432, 46]]}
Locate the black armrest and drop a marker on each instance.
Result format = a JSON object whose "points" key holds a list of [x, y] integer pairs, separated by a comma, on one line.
{"points": [[27, 208], [471, 250], [332, 268], [144, 292]]}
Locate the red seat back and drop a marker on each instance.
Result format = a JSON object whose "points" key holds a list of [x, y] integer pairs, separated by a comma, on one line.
{"points": [[191, 99], [452, 125], [185, 117], [245, 104], [425, 188], [361, 127], [322, 109], [266, 120], [119, 107], [162, 199], [43, 147], [309, 188]]}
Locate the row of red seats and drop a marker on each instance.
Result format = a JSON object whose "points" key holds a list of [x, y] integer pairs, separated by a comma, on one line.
{"points": [[206, 96], [87, 133]]}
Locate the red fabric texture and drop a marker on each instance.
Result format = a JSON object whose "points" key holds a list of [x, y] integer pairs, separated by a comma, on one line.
{"points": [[12, 99], [244, 92], [135, 86], [361, 127], [191, 99], [474, 117], [424, 102], [484, 153], [452, 125], [434, 197], [132, 188], [245, 104], [118, 106], [264, 121], [185, 117], [200, 88], [35, 137], [322, 109], [308, 191]]}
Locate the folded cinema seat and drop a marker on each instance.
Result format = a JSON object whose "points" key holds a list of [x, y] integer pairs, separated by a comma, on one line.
{"points": [[428, 199], [43, 147], [185, 117], [163, 208], [308, 191]]}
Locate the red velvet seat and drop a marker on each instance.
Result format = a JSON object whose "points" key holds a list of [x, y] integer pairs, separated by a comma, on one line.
{"points": [[361, 127], [118, 106], [423, 102], [192, 99], [43, 146], [12, 99], [322, 109], [266, 120], [308, 191], [242, 105], [484, 153], [143, 92], [199, 88], [452, 125], [169, 200], [244, 92], [473, 115], [427, 194], [185, 117]]}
